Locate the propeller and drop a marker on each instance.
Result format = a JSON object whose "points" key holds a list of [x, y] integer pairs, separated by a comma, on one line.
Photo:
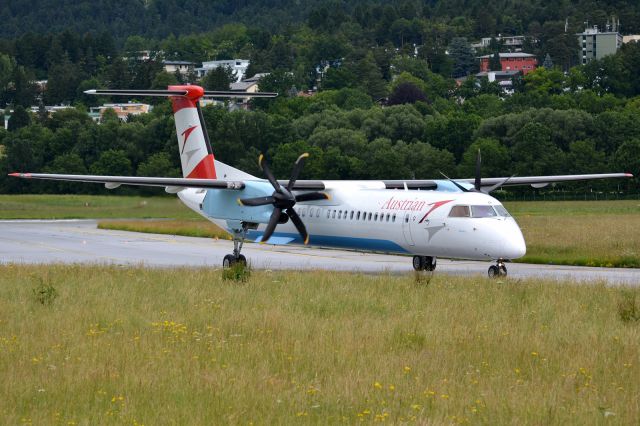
{"points": [[283, 199]]}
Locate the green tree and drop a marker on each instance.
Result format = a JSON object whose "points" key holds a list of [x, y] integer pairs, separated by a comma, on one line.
{"points": [[19, 118], [494, 62], [158, 165], [464, 60], [496, 159], [626, 157], [112, 163], [406, 93], [219, 78]]}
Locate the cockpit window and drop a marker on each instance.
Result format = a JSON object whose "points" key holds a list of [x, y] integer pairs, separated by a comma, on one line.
{"points": [[483, 211], [459, 211], [502, 211]]}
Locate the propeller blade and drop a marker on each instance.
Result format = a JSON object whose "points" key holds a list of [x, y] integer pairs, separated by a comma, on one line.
{"points": [[297, 168], [271, 226], [262, 162], [293, 215], [497, 185], [312, 196], [478, 182], [258, 201], [462, 188]]}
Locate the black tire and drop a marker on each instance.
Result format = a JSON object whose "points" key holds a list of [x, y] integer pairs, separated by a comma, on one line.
{"points": [[242, 260], [503, 270], [228, 261], [418, 263], [430, 263], [493, 271]]}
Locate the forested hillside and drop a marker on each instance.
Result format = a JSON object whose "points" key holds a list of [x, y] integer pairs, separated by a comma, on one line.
{"points": [[160, 18], [565, 118]]}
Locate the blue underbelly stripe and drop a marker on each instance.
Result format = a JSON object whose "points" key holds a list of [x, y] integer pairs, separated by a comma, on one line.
{"points": [[338, 242]]}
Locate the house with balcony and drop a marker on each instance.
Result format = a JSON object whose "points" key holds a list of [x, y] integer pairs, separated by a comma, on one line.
{"points": [[238, 66]]}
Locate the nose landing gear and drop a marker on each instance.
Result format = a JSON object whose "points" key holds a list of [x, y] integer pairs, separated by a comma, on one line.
{"points": [[424, 263], [498, 270], [238, 240]]}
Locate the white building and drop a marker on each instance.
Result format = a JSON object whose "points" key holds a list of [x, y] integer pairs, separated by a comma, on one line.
{"points": [[238, 66], [183, 67]]}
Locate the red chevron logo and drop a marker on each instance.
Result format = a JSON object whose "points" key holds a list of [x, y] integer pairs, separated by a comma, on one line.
{"points": [[186, 134]]}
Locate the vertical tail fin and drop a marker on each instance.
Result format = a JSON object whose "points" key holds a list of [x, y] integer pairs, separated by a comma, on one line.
{"points": [[196, 155]]}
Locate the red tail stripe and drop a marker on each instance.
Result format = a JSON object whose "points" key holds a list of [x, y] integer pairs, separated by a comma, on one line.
{"points": [[204, 170]]}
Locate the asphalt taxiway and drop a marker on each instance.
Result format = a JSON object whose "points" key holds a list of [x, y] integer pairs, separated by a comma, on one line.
{"points": [[79, 241]]}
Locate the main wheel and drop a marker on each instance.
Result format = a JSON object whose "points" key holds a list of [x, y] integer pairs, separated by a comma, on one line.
{"points": [[503, 270], [228, 261], [418, 263], [430, 263], [493, 271], [242, 260]]}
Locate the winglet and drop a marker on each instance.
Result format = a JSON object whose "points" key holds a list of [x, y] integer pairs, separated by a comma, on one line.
{"points": [[629, 174], [20, 175]]}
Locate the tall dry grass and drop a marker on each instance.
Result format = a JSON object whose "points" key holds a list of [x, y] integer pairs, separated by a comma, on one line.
{"points": [[158, 346]]}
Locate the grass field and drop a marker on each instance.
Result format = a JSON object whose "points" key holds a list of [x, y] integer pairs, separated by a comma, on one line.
{"points": [[587, 233], [584, 233], [145, 346], [91, 207]]}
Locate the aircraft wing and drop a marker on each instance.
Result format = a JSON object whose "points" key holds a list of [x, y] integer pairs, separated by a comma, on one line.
{"points": [[542, 181], [170, 184]]}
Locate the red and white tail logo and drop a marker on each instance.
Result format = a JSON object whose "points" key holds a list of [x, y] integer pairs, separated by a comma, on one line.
{"points": [[195, 154]]}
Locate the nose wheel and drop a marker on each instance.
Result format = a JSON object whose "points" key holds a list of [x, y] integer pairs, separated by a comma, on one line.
{"points": [[424, 263], [498, 270]]}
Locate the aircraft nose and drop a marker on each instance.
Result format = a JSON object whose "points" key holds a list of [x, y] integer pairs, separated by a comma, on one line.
{"points": [[514, 244]]}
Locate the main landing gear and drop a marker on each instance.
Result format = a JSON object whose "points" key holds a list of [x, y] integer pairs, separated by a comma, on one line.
{"points": [[424, 263], [238, 240], [498, 270]]}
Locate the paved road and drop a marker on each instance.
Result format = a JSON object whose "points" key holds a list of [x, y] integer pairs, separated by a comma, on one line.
{"points": [[79, 241]]}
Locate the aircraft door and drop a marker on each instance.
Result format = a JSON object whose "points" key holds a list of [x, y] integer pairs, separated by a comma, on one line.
{"points": [[406, 229]]}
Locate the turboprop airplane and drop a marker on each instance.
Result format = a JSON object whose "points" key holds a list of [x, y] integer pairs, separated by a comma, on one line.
{"points": [[446, 218]]}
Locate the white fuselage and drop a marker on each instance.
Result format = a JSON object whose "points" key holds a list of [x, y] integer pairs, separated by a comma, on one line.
{"points": [[362, 216]]}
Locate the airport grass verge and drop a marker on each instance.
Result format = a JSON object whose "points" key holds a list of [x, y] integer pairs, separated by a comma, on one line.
{"points": [[188, 228], [45, 206], [122, 345]]}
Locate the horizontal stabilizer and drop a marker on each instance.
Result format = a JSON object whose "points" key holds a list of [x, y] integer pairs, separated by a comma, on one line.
{"points": [[167, 93]]}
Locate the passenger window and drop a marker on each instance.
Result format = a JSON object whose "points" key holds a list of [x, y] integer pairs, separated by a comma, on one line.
{"points": [[310, 211], [351, 215], [333, 216], [387, 217], [375, 218], [369, 216], [358, 216], [318, 213], [459, 211], [393, 218], [482, 211], [328, 213], [340, 214]]}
